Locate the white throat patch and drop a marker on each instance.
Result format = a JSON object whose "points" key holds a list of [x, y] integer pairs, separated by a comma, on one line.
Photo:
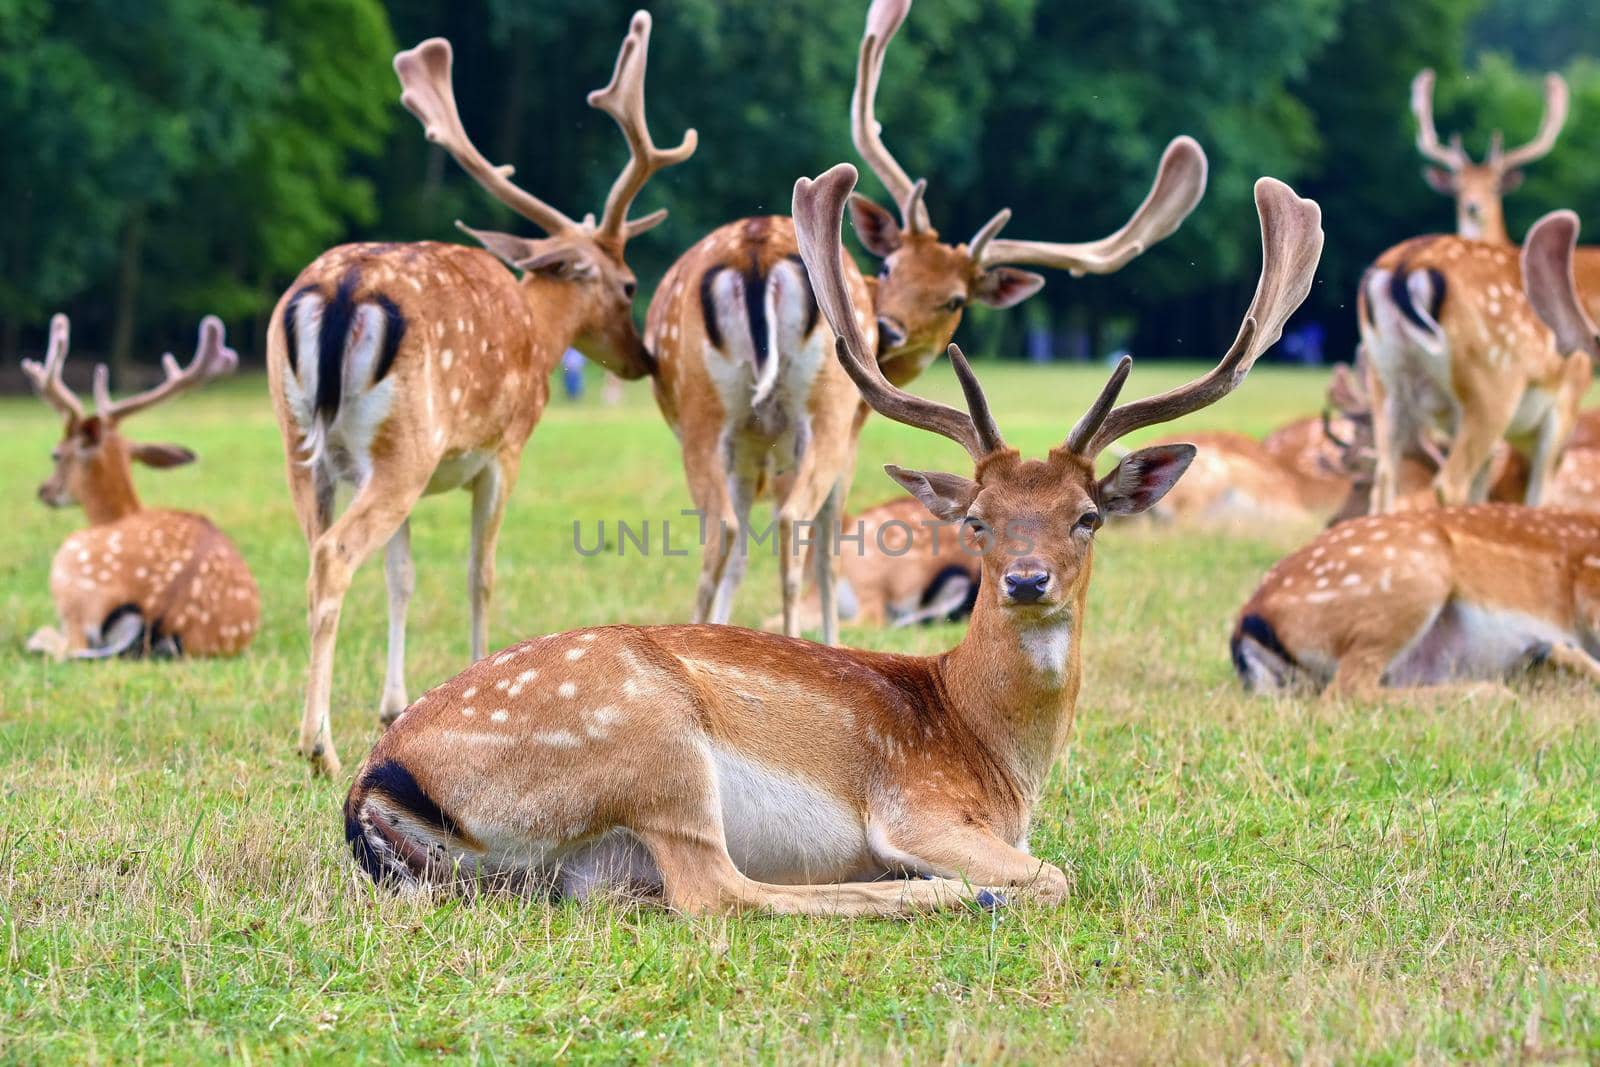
{"points": [[1048, 646]]}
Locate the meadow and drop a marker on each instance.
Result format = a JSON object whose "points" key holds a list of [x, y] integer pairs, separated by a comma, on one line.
{"points": [[1254, 879]]}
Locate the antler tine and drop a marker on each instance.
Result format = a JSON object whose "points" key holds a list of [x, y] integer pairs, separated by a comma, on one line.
{"points": [[1454, 157], [818, 219], [46, 377], [428, 94], [212, 359], [1291, 245], [1547, 277], [1095, 417], [623, 100], [1179, 185], [883, 21], [1556, 100]]}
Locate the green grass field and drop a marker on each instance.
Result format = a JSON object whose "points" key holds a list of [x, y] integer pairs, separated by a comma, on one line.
{"points": [[1254, 879]]}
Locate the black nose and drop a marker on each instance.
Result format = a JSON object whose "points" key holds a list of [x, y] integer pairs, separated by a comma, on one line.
{"points": [[1026, 588], [890, 334]]}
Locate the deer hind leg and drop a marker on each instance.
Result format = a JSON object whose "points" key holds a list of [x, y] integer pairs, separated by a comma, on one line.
{"points": [[1392, 428], [311, 489], [401, 578], [372, 518], [489, 492], [812, 503], [1482, 419], [1574, 659]]}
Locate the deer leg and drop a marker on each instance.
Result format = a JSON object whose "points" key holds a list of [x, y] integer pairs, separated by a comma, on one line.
{"points": [[1481, 422], [311, 491], [401, 578], [826, 563], [809, 500], [699, 878], [489, 492], [371, 519], [1574, 659], [733, 540], [1391, 424], [978, 857]]}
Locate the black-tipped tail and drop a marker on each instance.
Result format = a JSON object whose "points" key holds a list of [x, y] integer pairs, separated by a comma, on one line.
{"points": [[377, 839], [1400, 292], [1260, 658]]}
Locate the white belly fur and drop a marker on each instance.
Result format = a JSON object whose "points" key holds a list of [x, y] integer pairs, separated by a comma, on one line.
{"points": [[1468, 642], [782, 829]]}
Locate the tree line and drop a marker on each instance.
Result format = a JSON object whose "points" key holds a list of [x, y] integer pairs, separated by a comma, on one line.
{"points": [[175, 157]]}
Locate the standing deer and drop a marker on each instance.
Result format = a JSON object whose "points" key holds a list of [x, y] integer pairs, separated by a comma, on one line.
{"points": [[733, 769], [137, 581], [408, 369], [744, 375], [1478, 188], [1454, 347]]}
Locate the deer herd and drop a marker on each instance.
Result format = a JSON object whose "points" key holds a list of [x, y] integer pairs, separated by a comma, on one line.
{"points": [[724, 769]]}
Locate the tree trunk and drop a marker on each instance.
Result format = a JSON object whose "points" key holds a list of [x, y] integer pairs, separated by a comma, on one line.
{"points": [[130, 270]]}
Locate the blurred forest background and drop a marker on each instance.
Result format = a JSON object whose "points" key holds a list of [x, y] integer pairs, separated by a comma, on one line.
{"points": [[168, 158]]}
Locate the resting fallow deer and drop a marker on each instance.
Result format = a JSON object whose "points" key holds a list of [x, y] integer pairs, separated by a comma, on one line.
{"points": [[1478, 188], [1454, 347], [744, 373], [1441, 598], [137, 581], [1235, 480], [736, 769], [409, 369]]}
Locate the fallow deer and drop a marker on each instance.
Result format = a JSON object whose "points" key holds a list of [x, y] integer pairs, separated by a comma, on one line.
{"points": [[898, 567], [137, 581], [734, 769], [1478, 188], [1235, 480], [744, 375], [1454, 347], [1443, 598], [409, 369]]}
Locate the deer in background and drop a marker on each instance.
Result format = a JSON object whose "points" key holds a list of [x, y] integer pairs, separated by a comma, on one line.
{"points": [[731, 769], [1454, 347], [137, 581], [1478, 188], [745, 377], [409, 369]]}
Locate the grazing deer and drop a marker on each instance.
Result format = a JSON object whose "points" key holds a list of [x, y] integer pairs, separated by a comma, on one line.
{"points": [[900, 568], [1455, 347], [1437, 598], [137, 581], [735, 769], [1479, 187], [744, 374], [409, 369]]}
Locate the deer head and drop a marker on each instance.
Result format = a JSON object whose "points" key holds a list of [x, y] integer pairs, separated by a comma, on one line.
{"points": [[924, 283], [1478, 187], [1035, 520], [92, 460], [586, 256]]}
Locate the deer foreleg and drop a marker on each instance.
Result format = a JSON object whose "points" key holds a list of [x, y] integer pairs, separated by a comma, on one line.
{"points": [[401, 578], [977, 856], [489, 492]]}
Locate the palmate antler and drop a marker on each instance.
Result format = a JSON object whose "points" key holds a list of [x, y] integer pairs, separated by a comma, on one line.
{"points": [[428, 94], [818, 218], [1180, 182], [46, 376], [212, 359], [1291, 239], [1454, 157]]}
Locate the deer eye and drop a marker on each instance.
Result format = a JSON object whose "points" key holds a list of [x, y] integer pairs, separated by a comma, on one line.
{"points": [[1090, 520], [629, 288], [975, 526], [955, 303], [883, 269]]}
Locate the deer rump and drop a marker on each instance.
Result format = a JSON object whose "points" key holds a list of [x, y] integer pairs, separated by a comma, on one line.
{"points": [[761, 326]]}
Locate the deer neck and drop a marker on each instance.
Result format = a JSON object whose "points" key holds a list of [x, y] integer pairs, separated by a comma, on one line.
{"points": [[557, 310], [110, 497], [1014, 682]]}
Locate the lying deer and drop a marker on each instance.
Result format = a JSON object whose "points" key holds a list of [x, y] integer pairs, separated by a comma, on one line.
{"points": [[411, 369], [137, 581], [745, 375], [1437, 598], [734, 769], [898, 567]]}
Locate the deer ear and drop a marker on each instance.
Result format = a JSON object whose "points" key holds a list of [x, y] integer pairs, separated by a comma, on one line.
{"points": [[874, 226], [1004, 287], [568, 263], [507, 247], [161, 456], [1511, 181], [947, 496], [1143, 478], [1440, 181]]}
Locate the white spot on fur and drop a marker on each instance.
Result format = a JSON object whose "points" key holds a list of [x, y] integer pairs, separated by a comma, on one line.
{"points": [[567, 690]]}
